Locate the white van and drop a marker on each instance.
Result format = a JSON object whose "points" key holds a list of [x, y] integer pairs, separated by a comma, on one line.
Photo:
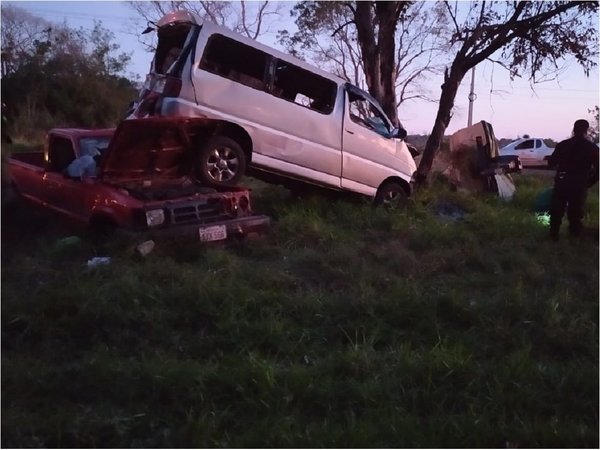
{"points": [[275, 114]]}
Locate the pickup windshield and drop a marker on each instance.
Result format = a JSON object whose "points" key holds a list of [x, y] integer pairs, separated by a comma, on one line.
{"points": [[93, 146]]}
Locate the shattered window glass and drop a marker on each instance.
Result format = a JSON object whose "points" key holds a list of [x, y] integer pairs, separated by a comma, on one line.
{"points": [[61, 153], [92, 146], [365, 113], [171, 41], [303, 87]]}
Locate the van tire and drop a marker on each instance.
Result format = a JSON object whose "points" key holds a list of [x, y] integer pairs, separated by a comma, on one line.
{"points": [[221, 162], [391, 194]]}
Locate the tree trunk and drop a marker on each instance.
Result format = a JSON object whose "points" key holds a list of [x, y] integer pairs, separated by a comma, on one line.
{"points": [[368, 47], [387, 16], [442, 120]]}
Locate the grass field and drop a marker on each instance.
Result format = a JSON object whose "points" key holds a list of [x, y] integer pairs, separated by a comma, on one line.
{"points": [[345, 326]]}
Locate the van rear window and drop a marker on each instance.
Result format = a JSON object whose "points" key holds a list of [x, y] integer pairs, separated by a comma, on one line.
{"points": [[234, 60], [303, 87]]}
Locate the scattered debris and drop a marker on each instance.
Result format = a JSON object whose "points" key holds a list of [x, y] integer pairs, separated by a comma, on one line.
{"points": [[505, 186], [449, 212], [541, 206], [98, 261], [543, 218], [145, 248], [473, 163], [69, 241], [542, 202]]}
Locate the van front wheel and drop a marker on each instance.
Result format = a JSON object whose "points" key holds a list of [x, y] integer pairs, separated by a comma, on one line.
{"points": [[221, 162], [391, 195]]}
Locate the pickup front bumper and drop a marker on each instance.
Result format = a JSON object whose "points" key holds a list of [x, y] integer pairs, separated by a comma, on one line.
{"points": [[235, 227]]}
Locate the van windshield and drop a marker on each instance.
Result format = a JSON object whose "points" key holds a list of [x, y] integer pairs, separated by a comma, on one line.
{"points": [[366, 111], [174, 44]]}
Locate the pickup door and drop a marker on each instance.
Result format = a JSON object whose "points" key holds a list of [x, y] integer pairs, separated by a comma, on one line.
{"points": [[50, 188], [70, 196], [27, 172]]}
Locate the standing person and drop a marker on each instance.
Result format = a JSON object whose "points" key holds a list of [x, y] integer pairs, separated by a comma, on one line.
{"points": [[576, 162]]}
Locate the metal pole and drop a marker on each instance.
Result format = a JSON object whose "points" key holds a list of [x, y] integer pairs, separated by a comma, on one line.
{"points": [[472, 97]]}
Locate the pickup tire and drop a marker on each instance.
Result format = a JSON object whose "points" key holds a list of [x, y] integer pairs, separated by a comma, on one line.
{"points": [[391, 194], [10, 196], [221, 162]]}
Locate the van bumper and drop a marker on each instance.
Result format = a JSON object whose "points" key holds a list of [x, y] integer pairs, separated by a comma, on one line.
{"points": [[239, 227]]}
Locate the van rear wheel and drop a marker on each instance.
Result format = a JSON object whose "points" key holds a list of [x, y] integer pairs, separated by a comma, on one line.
{"points": [[221, 162]]}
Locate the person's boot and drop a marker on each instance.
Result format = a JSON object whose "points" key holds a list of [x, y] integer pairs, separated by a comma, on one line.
{"points": [[554, 228], [554, 231], [575, 230]]}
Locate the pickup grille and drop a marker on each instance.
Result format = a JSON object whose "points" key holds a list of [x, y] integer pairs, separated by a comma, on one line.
{"points": [[209, 211]]}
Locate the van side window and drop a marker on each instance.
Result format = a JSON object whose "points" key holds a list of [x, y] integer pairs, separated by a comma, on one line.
{"points": [[60, 153], [234, 60], [365, 113], [303, 87]]}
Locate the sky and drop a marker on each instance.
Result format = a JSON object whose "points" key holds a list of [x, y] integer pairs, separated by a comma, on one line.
{"points": [[512, 107]]}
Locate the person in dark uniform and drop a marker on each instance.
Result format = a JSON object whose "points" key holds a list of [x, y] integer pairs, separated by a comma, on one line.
{"points": [[576, 162]]}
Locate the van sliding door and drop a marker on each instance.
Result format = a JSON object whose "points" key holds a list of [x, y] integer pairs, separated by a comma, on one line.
{"points": [[306, 138]]}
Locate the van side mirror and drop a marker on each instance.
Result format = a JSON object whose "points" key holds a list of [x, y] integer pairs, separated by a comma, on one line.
{"points": [[399, 133], [150, 28]]}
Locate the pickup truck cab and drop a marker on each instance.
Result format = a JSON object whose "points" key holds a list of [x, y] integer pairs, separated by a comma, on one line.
{"points": [[283, 118], [531, 151], [142, 181]]}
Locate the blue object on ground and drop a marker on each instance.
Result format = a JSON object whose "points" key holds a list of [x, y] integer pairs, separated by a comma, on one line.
{"points": [[542, 201]]}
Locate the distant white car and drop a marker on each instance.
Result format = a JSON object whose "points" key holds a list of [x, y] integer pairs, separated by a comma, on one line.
{"points": [[531, 151]]}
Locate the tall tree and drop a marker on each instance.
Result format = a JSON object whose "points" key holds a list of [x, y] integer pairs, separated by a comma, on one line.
{"points": [[62, 75], [389, 46], [523, 37], [19, 32]]}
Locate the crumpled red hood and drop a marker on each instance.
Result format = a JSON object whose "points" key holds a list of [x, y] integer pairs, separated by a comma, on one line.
{"points": [[149, 147]]}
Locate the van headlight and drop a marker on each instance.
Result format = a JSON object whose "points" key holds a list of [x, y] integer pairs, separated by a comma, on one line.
{"points": [[155, 217], [159, 85]]}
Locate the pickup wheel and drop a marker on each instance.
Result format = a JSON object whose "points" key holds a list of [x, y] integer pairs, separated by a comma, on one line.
{"points": [[221, 162], [11, 197], [391, 194]]}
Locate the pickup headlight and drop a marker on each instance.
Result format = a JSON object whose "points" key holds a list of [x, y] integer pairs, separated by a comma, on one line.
{"points": [[155, 217]]}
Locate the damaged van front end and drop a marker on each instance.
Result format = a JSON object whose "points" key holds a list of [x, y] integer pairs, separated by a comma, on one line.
{"points": [[177, 33]]}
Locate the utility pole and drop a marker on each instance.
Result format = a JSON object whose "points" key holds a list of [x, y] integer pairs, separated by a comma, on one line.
{"points": [[472, 97]]}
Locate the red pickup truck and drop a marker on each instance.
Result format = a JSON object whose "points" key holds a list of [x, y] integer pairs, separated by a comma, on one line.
{"points": [[142, 180]]}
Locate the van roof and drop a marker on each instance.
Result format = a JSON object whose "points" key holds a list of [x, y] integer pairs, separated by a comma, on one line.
{"points": [[186, 16]]}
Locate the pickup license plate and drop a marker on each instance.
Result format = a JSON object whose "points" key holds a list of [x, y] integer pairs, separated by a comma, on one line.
{"points": [[214, 233]]}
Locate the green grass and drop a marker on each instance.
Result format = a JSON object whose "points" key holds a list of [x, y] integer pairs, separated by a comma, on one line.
{"points": [[345, 326]]}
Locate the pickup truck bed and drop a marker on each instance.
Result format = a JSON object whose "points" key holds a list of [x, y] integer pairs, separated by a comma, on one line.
{"points": [[31, 158]]}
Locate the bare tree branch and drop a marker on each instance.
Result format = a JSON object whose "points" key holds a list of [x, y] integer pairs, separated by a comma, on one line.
{"points": [[341, 26]]}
